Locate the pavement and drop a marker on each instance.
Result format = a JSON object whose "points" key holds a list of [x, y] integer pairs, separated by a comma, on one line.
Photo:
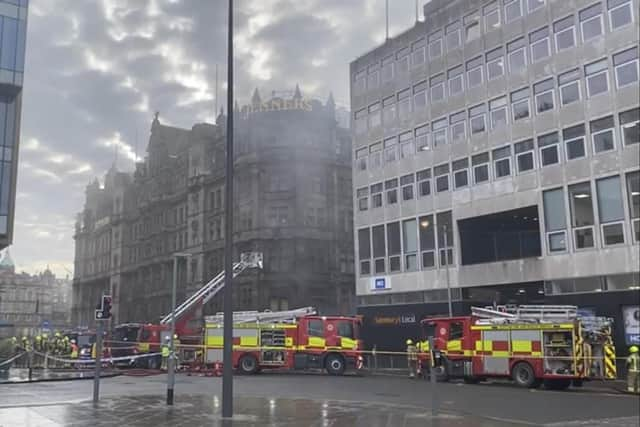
{"points": [[311, 400], [21, 375]]}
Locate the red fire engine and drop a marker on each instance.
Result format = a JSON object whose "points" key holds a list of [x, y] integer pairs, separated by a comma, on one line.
{"points": [[530, 344], [295, 339]]}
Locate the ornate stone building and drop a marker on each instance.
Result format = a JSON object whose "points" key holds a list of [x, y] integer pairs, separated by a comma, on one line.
{"points": [[292, 202]]}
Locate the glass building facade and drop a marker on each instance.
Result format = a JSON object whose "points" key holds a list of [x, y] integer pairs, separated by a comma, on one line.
{"points": [[13, 28]]}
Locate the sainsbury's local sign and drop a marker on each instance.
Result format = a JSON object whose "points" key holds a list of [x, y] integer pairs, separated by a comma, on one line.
{"points": [[277, 104]]}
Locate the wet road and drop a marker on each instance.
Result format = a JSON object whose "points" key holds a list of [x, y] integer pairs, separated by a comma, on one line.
{"points": [[500, 403]]}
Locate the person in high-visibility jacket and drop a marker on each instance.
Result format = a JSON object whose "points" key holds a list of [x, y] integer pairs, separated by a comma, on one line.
{"points": [[166, 352], [412, 358], [176, 351], [74, 349], [633, 370]]}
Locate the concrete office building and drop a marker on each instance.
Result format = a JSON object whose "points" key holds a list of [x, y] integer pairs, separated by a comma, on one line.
{"points": [[13, 32], [514, 126], [292, 203]]}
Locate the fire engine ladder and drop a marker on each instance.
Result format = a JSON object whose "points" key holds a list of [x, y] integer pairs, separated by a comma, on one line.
{"points": [[525, 313], [204, 294], [263, 316]]}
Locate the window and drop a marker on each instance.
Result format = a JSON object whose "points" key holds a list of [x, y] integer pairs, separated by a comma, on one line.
{"points": [[602, 134], [534, 5], [630, 126], [472, 26], [376, 195], [390, 149], [359, 82], [456, 331], [495, 63], [444, 223], [498, 112], [573, 138], [362, 195], [477, 118], [555, 220], [422, 138], [389, 110], [512, 10], [278, 215], [437, 87], [410, 244], [375, 117], [453, 35], [407, 146], [345, 329], [633, 193], [474, 72], [591, 22], [520, 104], [360, 119], [420, 95], [597, 78], [375, 155], [502, 161], [427, 241], [406, 182], [402, 60], [539, 41], [435, 45], [460, 173], [565, 33], [480, 164], [364, 250], [569, 83], [423, 179], [517, 55], [620, 13], [491, 16], [379, 249], [456, 80], [582, 219], [361, 159], [439, 128], [610, 209], [393, 246], [404, 104], [543, 92], [441, 173], [391, 187], [457, 124], [387, 69], [626, 66], [548, 146], [417, 53], [373, 79], [524, 151]]}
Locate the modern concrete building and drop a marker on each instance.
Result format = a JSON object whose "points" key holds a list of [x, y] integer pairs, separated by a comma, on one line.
{"points": [[292, 203], [502, 137], [13, 25]]}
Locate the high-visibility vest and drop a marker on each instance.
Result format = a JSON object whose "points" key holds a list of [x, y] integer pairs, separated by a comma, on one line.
{"points": [[74, 351], [633, 362], [165, 351]]}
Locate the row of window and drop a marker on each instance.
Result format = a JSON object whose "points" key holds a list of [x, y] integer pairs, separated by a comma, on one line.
{"points": [[591, 24], [544, 95], [549, 149], [582, 213], [407, 245]]}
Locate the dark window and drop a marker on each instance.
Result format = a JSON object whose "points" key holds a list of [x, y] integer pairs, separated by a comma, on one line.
{"points": [[456, 331], [316, 328], [345, 329]]}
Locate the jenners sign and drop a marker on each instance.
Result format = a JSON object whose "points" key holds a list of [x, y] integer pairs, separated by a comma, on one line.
{"points": [[277, 105]]}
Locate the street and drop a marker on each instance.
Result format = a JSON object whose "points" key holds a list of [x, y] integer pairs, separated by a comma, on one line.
{"points": [[501, 403]]}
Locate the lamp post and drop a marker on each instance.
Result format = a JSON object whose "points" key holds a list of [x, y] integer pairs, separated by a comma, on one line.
{"points": [[171, 374]]}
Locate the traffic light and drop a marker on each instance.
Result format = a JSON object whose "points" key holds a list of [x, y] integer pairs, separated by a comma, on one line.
{"points": [[103, 310]]}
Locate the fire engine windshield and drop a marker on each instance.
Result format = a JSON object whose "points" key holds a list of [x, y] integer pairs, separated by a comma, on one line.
{"points": [[428, 330], [126, 333], [347, 329]]}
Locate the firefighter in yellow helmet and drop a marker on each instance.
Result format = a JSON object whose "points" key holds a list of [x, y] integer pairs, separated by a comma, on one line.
{"points": [[412, 358], [165, 352], [633, 370]]}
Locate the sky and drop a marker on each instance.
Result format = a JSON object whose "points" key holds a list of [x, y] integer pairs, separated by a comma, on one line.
{"points": [[97, 70]]}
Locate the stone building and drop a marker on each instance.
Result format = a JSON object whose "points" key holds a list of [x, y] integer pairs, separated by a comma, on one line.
{"points": [[502, 137], [292, 203]]}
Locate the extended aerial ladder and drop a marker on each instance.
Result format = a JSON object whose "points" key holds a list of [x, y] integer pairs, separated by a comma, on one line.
{"points": [[267, 316]]}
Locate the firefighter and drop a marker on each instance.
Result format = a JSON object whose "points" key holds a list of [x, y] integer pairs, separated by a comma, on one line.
{"points": [[412, 358], [165, 353], [633, 370], [74, 349], [176, 351]]}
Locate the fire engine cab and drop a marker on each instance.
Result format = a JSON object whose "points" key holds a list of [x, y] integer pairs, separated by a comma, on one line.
{"points": [[530, 344]]}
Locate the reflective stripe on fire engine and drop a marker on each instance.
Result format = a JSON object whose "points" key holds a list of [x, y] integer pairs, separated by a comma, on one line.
{"points": [[143, 347], [454, 346], [288, 342], [316, 342], [610, 361], [348, 343]]}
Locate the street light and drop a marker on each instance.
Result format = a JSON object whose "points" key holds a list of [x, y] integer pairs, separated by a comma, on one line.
{"points": [[171, 374]]}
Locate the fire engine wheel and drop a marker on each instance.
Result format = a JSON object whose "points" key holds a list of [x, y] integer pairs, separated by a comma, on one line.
{"points": [[334, 363], [248, 365], [523, 375]]}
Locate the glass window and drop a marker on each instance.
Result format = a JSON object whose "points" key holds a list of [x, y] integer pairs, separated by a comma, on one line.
{"points": [[387, 69], [391, 187], [512, 10], [423, 178], [520, 104], [524, 151], [602, 134], [445, 228], [534, 5], [420, 95], [620, 13], [442, 177], [439, 130], [461, 173], [591, 22], [393, 245], [633, 194], [364, 243], [404, 104], [417, 53], [456, 80], [373, 79], [517, 55], [375, 155], [389, 110], [360, 119], [474, 72], [610, 209], [437, 87], [569, 83], [540, 45], [573, 138], [407, 145], [544, 95], [472, 26], [502, 161], [565, 33], [427, 240], [477, 118], [359, 82], [402, 60], [453, 35], [406, 182], [435, 45], [555, 219], [630, 126], [495, 63], [582, 218], [375, 115], [480, 163], [491, 16], [379, 248], [626, 66], [390, 150], [9, 43], [361, 159], [410, 244], [597, 78], [376, 195], [457, 124], [548, 146], [422, 138], [498, 111]]}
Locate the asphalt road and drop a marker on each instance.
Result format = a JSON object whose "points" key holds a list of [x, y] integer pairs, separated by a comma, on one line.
{"points": [[498, 401]]}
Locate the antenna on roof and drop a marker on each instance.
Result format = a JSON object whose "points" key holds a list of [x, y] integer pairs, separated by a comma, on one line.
{"points": [[216, 94], [417, 12], [386, 3]]}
